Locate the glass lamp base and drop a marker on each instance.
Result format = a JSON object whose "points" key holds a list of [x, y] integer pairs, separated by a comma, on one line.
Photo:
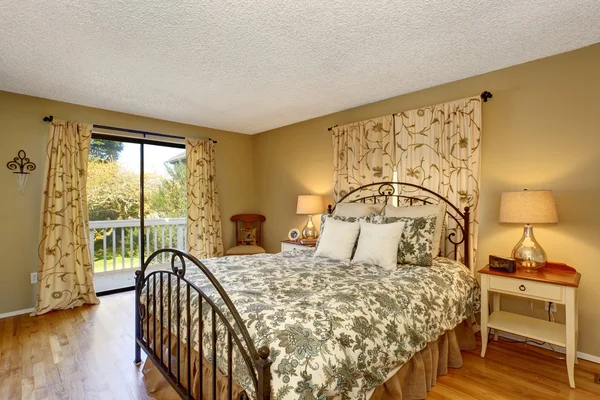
{"points": [[528, 253], [309, 231]]}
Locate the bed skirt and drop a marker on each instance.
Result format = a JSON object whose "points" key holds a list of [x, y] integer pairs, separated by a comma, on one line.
{"points": [[411, 381]]}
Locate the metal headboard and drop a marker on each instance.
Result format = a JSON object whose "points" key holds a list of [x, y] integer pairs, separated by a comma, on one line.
{"points": [[403, 193]]}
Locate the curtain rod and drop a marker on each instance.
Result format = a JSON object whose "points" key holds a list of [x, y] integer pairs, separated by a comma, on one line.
{"points": [[50, 118], [484, 96]]}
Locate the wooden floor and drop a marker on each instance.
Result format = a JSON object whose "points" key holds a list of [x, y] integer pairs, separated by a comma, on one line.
{"points": [[87, 353]]}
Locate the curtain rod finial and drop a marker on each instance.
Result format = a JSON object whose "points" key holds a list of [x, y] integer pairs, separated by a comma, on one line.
{"points": [[486, 95], [49, 118]]}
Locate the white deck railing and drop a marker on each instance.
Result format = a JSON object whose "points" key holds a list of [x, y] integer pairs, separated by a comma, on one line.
{"points": [[121, 239]]}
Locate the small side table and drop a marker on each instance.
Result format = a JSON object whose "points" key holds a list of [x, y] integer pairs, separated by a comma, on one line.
{"points": [[556, 283], [287, 245]]}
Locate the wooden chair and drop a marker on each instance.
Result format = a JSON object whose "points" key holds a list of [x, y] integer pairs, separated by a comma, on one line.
{"points": [[245, 225]]}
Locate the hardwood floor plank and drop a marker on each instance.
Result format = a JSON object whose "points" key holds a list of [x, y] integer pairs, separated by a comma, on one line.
{"points": [[87, 354], [27, 388], [40, 388]]}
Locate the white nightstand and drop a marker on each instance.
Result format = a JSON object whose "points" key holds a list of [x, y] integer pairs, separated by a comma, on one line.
{"points": [[556, 283], [287, 245]]}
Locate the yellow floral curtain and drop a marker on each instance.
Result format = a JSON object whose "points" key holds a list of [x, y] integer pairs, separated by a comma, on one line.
{"points": [[439, 148], [65, 272], [204, 217], [362, 154]]}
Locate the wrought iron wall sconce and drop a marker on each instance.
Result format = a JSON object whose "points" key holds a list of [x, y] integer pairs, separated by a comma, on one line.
{"points": [[21, 166]]}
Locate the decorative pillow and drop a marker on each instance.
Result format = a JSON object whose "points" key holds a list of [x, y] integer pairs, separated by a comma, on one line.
{"points": [[327, 217], [378, 244], [357, 209], [249, 236], [338, 240], [416, 244], [423, 211]]}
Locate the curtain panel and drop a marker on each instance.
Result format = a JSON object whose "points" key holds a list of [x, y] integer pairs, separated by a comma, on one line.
{"points": [[65, 271], [439, 148], [362, 154], [204, 216]]}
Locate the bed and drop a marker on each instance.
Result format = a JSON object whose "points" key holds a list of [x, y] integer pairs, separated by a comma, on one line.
{"points": [[295, 326]]}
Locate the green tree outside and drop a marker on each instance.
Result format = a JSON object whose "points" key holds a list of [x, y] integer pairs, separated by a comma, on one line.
{"points": [[113, 191], [114, 194], [105, 150], [169, 199]]}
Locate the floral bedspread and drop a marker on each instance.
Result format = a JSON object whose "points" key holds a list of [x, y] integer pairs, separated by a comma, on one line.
{"points": [[335, 329]]}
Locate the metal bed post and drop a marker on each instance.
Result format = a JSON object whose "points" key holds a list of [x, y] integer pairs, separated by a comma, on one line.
{"points": [[467, 217], [263, 365], [139, 277]]}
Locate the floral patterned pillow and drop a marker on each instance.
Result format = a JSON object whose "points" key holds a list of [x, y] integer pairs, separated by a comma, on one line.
{"points": [[249, 236], [416, 244]]}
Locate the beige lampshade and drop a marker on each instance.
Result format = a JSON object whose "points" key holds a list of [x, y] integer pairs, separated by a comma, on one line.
{"points": [[309, 204], [528, 207]]}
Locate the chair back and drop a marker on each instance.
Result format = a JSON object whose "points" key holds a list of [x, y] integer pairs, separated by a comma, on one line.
{"points": [[248, 221]]}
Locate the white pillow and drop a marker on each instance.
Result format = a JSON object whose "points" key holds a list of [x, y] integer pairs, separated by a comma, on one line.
{"points": [[338, 240], [378, 244], [423, 211], [357, 209]]}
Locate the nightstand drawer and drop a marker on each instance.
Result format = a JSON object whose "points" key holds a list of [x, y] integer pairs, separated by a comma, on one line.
{"points": [[291, 246], [288, 246], [527, 288]]}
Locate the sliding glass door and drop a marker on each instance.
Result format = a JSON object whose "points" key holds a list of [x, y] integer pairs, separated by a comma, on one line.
{"points": [[165, 199], [131, 216]]}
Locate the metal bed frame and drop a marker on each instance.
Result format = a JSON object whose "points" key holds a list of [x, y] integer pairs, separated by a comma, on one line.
{"points": [[256, 359]]}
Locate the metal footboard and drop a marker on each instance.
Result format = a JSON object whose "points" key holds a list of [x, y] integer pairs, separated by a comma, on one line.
{"points": [[153, 300]]}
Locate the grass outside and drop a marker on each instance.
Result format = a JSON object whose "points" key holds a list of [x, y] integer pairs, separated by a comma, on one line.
{"points": [[99, 264]]}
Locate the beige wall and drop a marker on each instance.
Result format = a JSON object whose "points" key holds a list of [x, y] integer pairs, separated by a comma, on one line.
{"points": [[540, 131], [22, 127]]}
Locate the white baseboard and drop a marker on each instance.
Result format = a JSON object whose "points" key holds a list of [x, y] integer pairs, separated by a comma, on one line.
{"points": [[19, 312], [558, 349]]}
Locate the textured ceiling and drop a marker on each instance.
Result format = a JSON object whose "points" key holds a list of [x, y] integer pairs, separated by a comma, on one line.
{"points": [[253, 65]]}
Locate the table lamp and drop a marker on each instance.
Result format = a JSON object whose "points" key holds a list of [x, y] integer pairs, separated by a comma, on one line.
{"points": [[528, 207], [309, 204]]}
